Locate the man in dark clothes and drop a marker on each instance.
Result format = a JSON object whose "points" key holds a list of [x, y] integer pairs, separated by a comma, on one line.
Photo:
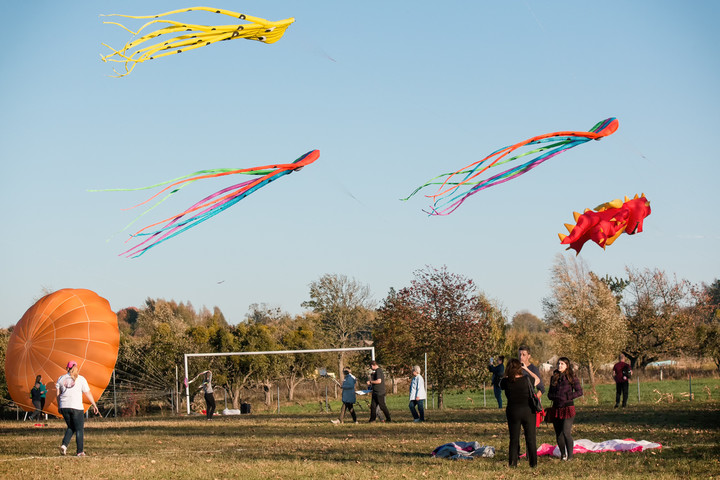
{"points": [[621, 374], [524, 356], [377, 382], [498, 372], [525, 361]]}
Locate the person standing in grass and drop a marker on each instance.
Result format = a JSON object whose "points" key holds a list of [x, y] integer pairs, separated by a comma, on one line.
{"points": [[70, 389], [417, 395], [518, 411], [498, 372], [208, 392], [348, 395], [621, 375], [37, 395], [564, 388], [377, 383]]}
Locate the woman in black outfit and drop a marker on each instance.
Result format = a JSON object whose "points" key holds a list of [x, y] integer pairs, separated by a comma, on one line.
{"points": [[519, 383], [564, 388]]}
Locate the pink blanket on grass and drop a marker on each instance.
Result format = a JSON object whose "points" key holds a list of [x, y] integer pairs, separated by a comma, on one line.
{"points": [[586, 446]]}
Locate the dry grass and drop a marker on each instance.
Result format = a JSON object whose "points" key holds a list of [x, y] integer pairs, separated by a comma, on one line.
{"points": [[310, 446]]}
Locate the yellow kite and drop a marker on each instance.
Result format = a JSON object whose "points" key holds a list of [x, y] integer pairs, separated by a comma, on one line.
{"points": [[189, 37]]}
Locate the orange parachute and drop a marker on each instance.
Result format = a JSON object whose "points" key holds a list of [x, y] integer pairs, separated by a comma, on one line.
{"points": [[609, 220], [70, 324]]}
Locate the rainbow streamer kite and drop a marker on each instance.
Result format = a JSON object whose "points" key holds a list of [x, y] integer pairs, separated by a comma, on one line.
{"points": [[207, 207], [450, 194], [187, 36]]}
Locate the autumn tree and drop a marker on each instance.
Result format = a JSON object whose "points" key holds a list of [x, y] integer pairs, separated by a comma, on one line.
{"points": [[659, 309], [5, 399], [589, 324], [394, 337], [527, 329], [345, 310], [447, 320], [708, 329], [497, 323]]}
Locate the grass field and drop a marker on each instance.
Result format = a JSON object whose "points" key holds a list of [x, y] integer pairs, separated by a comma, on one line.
{"points": [[305, 444]]}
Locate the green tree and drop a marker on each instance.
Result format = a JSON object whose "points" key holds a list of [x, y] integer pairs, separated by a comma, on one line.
{"points": [[589, 324], [296, 367]]}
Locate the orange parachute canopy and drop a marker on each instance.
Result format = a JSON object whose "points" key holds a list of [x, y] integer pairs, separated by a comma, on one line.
{"points": [[70, 324]]}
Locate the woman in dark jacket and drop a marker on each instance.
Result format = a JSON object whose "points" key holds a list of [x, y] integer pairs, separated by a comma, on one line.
{"points": [[519, 383], [564, 388]]}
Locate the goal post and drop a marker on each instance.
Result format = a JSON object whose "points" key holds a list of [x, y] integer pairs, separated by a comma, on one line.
{"points": [[269, 352]]}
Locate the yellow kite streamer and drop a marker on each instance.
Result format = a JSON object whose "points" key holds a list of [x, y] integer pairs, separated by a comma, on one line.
{"points": [[187, 36]]}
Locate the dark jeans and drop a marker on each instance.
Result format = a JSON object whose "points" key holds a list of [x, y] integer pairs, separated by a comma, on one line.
{"points": [[563, 434], [517, 417], [209, 405], [38, 409], [75, 421], [621, 388], [378, 401], [349, 407], [498, 394], [420, 413]]}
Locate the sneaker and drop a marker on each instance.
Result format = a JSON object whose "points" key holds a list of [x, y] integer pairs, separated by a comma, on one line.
{"points": [[63, 450], [417, 420], [616, 405], [81, 454]]}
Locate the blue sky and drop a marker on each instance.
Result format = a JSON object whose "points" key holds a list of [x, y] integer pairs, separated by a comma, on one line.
{"points": [[392, 94]]}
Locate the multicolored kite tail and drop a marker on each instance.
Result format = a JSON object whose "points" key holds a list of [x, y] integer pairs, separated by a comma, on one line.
{"points": [[209, 206], [449, 195], [188, 36]]}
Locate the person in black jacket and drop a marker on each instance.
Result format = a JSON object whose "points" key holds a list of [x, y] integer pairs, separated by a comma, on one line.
{"points": [[498, 372], [564, 388], [377, 383], [519, 384]]}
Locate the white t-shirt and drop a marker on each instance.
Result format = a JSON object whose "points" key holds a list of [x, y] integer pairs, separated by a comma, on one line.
{"points": [[70, 392]]}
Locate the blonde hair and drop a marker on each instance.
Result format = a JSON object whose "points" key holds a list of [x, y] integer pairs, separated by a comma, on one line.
{"points": [[73, 372]]}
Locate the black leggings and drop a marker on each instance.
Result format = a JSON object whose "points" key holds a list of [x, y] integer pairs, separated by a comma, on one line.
{"points": [[516, 417], [563, 433], [209, 405], [347, 406]]}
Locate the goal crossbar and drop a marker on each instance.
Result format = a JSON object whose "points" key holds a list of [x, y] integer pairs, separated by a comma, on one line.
{"points": [[268, 352]]}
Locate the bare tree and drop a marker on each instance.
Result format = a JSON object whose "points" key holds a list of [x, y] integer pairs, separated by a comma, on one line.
{"points": [[659, 308], [345, 308]]}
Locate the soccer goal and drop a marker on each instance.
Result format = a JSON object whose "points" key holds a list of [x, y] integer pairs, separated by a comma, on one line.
{"points": [[270, 352]]}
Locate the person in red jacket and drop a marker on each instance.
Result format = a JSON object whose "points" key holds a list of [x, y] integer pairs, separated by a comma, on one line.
{"points": [[621, 374]]}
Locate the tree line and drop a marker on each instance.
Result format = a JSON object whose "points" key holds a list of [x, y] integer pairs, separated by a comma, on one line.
{"points": [[648, 315]]}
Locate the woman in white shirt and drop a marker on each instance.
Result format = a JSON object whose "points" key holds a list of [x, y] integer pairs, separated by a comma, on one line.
{"points": [[70, 389], [417, 395]]}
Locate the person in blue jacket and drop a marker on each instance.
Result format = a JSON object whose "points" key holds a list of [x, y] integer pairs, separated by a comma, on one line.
{"points": [[348, 395], [418, 395]]}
